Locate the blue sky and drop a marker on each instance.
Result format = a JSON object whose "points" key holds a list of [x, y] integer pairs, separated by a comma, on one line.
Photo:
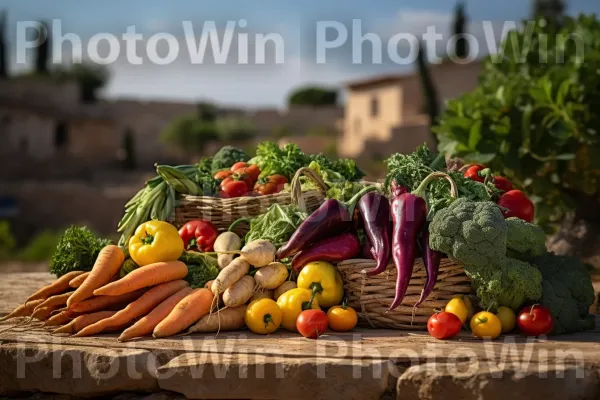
{"points": [[253, 85]]}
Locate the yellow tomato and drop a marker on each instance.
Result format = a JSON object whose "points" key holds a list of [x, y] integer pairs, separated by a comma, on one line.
{"points": [[458, 307], [507, 317], [292, 303], [486, 325], [342, 318], [263, 316]]}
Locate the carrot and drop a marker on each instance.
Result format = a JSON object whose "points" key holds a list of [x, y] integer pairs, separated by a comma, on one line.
{"points": [[23, 310], [107, 264], [42, 313], [228, 319], [230, 275], [189, 310], [145, 325], [82, 321], [78, 280], [149, 275], [59, 286], [56, 300], [101, 303], [141, 306], [61, 318]]}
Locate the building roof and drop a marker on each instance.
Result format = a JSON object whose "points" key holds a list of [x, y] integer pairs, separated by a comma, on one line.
{"points": [[395, 78]]}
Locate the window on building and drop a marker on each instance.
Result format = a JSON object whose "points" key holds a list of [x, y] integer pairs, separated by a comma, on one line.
{"points": [[374, 107], [61, 135]]}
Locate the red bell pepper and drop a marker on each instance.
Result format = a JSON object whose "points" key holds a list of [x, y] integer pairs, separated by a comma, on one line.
{"points": [[198, 235]]}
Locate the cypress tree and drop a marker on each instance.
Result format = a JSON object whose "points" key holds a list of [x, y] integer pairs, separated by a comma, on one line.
{"points": [[461, 49], [3, 58], [552, 11], [43, 50], [429, 91]]}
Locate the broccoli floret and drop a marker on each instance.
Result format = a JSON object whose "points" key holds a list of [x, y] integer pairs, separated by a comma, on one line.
{"points": [[226, 157], [524, 241], [472, 232], [567, 291], [510, 283]]}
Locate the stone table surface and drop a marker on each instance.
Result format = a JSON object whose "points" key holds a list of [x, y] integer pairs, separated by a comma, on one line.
{"points": [[361, 364]]}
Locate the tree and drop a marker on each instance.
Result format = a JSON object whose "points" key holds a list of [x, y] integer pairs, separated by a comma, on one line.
{"points": [[461, 46], [538, 123], [190, 134], [552, 11], [42, 50], [128, 150], [207, 112], [429, 91], [313, 96], [3, 60]]}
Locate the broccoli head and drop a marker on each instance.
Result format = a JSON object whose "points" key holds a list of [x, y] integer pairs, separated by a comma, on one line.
{"points": [[567, 291], [510, 282], [473, 233], [524, 240], [226, 157]]}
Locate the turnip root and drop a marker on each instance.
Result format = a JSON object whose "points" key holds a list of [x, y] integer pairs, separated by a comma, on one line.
{"points": [[226, 241], [258, 253], [262, 294], [240, 292], [285, 286], [271, 276], [230, 275], [228, 319]]}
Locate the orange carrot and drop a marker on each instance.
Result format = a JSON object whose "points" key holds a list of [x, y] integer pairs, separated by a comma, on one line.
{"points": [[141, 306], [107, 264], [78, 280], [149, 275], [61, 318], [59, 286], [23, 310], [82, 321], [189, 310], [145, 325], [42, 313], [101, 303], [56, 300]]}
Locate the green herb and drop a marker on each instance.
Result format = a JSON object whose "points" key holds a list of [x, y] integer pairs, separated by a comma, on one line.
{"points": [[272, 159], [277, 225], [77, 250], [345, 167]]}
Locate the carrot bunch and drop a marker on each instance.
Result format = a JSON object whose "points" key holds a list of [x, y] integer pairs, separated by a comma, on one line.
{"points": [[150, 300]]}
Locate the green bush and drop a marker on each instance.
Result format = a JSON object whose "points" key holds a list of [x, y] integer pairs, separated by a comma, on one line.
{"points": [[40, 248], [535, 115]]}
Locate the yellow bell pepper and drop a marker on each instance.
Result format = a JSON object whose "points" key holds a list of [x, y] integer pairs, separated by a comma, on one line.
{"points": [[325, 280], [263, 316], [292, 303], [155, 241]]}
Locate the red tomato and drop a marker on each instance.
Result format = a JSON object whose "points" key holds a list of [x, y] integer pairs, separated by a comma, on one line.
{"points": [[312, 323], [473, 173], [223, 174], [444, 325], [252, 171], [238, 165], [233, 188], [270, 184], [238, 177], [516, 204], [535, 320], [503, 184]]}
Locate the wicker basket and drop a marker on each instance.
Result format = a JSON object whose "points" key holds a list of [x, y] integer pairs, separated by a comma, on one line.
{"points": [[371, 296], [223, 212]]}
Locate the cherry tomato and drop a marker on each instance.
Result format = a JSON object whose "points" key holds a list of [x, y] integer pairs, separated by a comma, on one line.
{"points": [[535, 320], [516, 204], [312, 323], [342, 318], [473, 173], [444, 325], [233, 188], [223, 174], [238, 165], [503, 184]]}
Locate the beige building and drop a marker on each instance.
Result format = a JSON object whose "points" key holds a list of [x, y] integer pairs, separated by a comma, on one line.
{"points": [[386, 114]]}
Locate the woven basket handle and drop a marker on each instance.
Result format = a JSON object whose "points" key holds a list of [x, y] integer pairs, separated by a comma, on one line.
{"points": [[296, 187]]}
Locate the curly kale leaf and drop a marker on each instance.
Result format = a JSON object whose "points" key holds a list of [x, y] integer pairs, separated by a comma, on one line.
{"points": [[271, 159]]}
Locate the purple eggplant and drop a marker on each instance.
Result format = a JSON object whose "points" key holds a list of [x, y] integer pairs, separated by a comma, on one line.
{"points": [[409, 213], [431, 259], [334, 249], [374, 208], [332, 218]]}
